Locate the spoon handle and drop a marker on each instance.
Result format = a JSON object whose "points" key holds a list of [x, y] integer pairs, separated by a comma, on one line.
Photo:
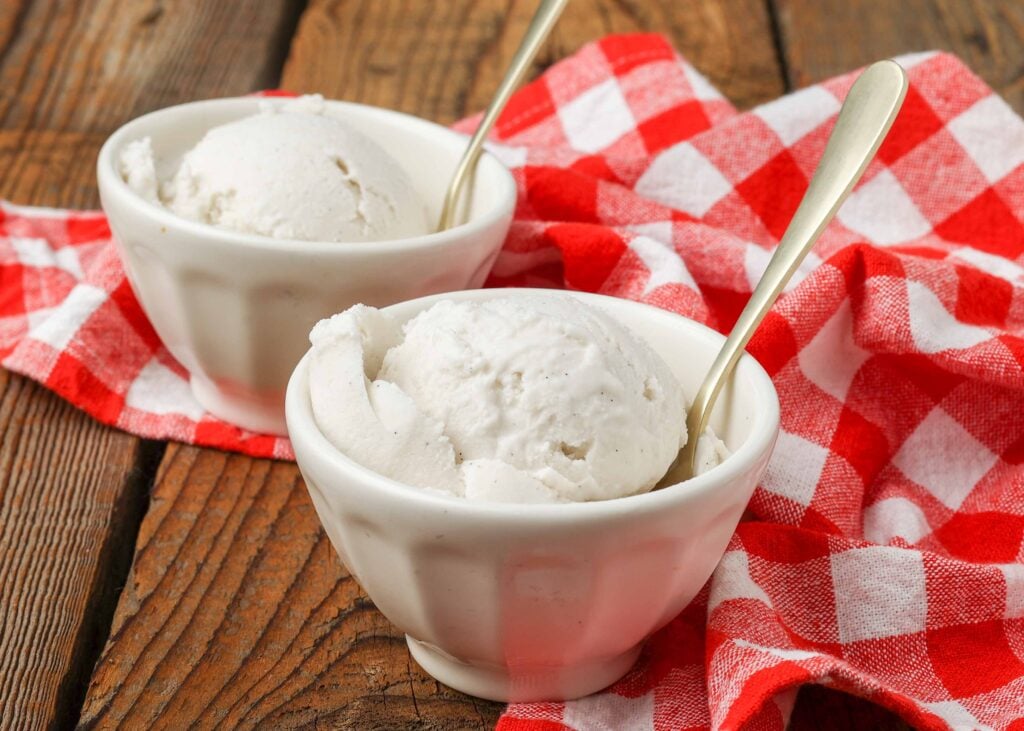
{"points": [[864, 120], [536, 33]]}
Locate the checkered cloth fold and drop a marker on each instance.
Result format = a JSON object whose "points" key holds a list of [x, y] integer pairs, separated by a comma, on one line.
{"points": [[882, 553]]}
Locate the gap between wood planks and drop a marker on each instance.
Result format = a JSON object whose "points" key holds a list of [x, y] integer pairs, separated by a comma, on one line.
{"points": [[116, 556], [778, 43], [33, 66]]}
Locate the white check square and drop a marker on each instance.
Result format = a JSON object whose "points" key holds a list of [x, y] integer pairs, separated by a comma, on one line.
{"points": [[993, 136], [755, 262], [610, 712], [793, 116], [1013, 574], [702, 88], [64, 321], [882, 211], [831, 360], [879, 592], [33, 252], [596, 118], [944, 458], [732, 581], [159, 390], [795, 468], [895, 517], [682, 178], [664, 264], [934, 328]]}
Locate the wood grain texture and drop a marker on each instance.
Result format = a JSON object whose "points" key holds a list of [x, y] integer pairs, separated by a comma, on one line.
{"points": [[72, 493], [237, 611], [822, 38], [72, 72], [238, 614], [442, 61], [71, 497]]}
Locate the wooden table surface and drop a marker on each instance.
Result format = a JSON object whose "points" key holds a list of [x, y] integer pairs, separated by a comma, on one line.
{"points": [[145, 584]]}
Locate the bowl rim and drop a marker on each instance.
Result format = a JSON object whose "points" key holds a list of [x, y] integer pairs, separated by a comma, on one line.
{"points": [[111, 183], [763, 433]]}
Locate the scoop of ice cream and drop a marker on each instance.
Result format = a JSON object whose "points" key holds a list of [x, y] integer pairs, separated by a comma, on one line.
{"points": [[292, 171], [138, 169], [538, 398]]}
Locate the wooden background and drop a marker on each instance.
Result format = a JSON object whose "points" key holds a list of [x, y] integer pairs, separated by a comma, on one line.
{"points": [[152, 585]]}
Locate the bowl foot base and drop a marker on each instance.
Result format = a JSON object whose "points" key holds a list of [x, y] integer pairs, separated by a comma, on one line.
{"points": [[260, 415], [534, 685]]}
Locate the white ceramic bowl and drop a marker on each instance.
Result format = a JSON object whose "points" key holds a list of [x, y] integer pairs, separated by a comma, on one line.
{"points": [[541, 602], [235, 309]]}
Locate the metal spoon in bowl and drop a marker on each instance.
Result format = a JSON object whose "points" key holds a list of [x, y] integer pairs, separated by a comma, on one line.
{"points": [[865, 119], [536, 33]]}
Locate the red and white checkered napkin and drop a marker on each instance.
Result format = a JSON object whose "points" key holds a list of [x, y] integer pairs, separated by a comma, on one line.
{"points": [[69, 319], [883, 552]]}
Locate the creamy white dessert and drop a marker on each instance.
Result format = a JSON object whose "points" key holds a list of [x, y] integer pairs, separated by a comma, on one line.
{"points": [[292, 171], [537, 398]]}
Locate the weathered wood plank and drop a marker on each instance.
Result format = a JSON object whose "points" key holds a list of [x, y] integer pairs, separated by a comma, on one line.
{"points": [[821, 38], [237, 612], [72, 493], [444, 61], [71, 72]]}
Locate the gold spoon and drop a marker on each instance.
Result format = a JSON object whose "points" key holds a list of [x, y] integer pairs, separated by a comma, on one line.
{"points": [[540, 26], [865, 119]]}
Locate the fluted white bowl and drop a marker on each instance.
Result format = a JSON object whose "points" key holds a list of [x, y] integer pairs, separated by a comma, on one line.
{"points": [[541, 602], [235, 309]]}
